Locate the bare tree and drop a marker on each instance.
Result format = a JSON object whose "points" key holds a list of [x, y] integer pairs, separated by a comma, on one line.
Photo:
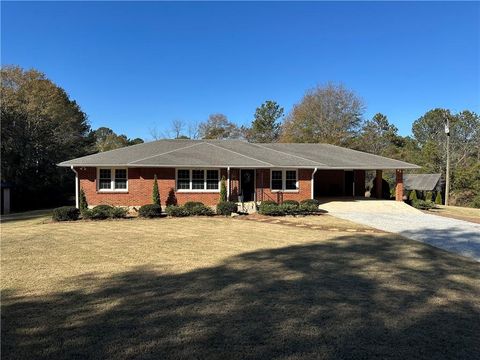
{"points": [[177, 127]]}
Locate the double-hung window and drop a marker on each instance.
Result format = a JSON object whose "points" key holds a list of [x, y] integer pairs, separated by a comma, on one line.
{"points": [[112, 179], [198, 180], [284, 180]]}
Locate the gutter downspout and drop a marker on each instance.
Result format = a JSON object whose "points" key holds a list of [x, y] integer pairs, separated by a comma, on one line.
{"points": [[76, 187], [313, 179], [228, 183]]}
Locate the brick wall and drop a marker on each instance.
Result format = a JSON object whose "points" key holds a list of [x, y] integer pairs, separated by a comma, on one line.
{"points": [[263, 191], [140, 183]]}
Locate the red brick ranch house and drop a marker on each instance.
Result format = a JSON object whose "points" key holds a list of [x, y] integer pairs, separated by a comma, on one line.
{"points": [[191, 170]]}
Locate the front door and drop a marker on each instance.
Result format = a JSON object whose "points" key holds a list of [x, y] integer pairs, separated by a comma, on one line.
{"points": [[247, 183]]}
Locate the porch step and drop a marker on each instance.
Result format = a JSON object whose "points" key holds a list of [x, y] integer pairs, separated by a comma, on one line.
{"points": [[248, 207]]}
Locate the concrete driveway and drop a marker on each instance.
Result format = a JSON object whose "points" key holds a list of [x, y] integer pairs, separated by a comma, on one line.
{"points": [[453, 235]]}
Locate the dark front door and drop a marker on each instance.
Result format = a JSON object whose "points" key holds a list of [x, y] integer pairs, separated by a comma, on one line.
{"points": [[247, 183]]}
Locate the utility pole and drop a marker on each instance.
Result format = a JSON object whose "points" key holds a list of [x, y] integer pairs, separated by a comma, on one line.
{"points": [[447, 171]]}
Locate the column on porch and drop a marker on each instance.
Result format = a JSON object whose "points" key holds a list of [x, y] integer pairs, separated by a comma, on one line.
{"points": [[378, 184], [399, 185]]}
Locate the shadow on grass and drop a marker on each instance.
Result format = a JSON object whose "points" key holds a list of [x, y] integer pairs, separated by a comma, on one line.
{"points": [[356, 297]]}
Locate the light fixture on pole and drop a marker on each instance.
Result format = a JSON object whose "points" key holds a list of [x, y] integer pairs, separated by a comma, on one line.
{"points": [[447, 171]]}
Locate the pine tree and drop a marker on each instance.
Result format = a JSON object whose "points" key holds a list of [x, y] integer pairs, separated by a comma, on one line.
{"points": [[438, 198], [265, 126], [155, 193], [223, 190]]}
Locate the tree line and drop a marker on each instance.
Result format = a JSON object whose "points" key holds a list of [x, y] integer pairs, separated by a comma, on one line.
{"points": [[41, 126]]}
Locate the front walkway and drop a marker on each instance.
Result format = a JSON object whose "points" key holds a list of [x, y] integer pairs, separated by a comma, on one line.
{"points": [[453, 235]]}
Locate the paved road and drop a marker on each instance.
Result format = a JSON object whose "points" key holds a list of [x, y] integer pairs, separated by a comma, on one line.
{"points": [[449, 234]]}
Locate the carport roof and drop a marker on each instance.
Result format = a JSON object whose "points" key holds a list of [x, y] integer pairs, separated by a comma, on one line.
{"points": [[237, 153]]}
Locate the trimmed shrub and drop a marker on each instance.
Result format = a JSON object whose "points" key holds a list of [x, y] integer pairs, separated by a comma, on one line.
{"points": [[201, 210], [438, 198], [65, 213], [171, 198], [413, 195], [155, 192], [176, 211], [226, 208], [270, 208], [310, 202], [309, 206], [223, 190], [99, 212], [150, 211], [191, 204], [291, 202], [82, 201], [118, 213], [423, 204], [289, 208]]}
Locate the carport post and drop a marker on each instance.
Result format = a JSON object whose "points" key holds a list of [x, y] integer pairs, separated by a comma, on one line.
{"points": [[77, 205], [228, 183], [378, 184], [399, 185], [313, 180]]}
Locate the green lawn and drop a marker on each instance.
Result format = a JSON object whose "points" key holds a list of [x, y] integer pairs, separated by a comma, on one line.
{"points": [[225, 288]]}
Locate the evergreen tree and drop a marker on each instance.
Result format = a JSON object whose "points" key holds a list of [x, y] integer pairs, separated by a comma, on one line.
{"points": [[438, 198], [223, 190], [82, 203], [413, 195], [155, 193], [265, 127]]}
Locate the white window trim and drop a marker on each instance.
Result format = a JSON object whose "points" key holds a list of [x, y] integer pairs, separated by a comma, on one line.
{"points": [[190, 190], [112, 180], [284, 181]]}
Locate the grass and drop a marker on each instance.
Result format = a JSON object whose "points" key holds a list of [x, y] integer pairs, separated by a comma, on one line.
{"points": [[224, 288], [327, 220], [458, 212]]}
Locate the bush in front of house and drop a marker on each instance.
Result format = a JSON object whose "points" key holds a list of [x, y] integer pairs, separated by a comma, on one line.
{"points": [[226, 208], [82, 201], [270, 208], [223, 190], [309, 206], [191, 204], [150, 211], [438, 198], [99, 212], [65, 213], [102, 212], [423, 204], [118, 213], [201, 210], [289, 207], [176, 211]]}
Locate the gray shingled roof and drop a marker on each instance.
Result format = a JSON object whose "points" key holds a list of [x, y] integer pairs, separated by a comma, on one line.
{"points": [[422, 182], [237, 153]]}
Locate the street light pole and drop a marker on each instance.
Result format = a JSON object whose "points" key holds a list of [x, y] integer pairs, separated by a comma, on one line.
{"points": [[447, 172]]}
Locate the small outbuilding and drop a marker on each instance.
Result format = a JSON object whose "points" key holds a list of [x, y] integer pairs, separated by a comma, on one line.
{"points": [[422, 182]]}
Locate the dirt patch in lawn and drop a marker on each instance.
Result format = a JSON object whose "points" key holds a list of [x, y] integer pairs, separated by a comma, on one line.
{"points": [[221, 288]]}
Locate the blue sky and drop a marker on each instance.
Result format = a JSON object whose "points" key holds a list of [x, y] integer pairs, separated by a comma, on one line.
{"points": [[136, 66]]}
